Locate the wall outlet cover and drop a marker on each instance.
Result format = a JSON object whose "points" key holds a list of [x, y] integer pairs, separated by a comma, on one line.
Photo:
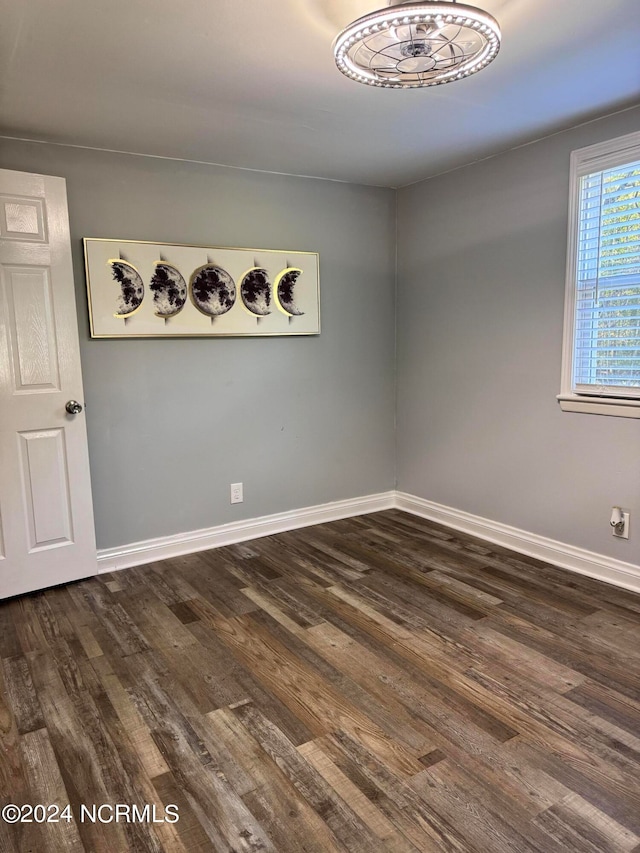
{"points": [[625, 529]]}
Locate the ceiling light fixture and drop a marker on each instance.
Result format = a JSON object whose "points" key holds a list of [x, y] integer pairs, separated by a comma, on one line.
{"points": [[409, 44]]}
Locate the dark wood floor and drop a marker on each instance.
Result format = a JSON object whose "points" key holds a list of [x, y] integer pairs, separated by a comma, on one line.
{"points": [[375, 684]]}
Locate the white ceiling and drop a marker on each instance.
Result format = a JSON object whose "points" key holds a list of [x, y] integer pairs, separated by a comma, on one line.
{"points": [[253, 84]]}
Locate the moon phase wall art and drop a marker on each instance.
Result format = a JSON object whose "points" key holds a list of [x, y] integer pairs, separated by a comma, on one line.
{"points": [[157, 290]]}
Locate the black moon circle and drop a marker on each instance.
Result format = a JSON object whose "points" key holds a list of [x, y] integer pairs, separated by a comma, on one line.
{"points": [[169, 290], [213, 291], [255, 290]]}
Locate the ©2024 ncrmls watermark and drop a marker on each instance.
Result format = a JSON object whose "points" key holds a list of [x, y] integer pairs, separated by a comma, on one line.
{"points": [[94, 813]]}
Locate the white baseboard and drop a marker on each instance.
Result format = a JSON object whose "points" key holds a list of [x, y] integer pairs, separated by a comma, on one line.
{"points": [[139, 553], [599, 566]]}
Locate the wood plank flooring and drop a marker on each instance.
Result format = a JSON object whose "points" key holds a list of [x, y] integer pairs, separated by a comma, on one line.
{"points": [[375, 684]]}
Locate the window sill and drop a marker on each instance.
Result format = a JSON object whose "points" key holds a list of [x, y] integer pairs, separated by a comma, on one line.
{"points": [[616, 408]]}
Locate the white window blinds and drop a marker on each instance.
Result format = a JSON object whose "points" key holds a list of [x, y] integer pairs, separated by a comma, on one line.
{"points": [[606, 346]]}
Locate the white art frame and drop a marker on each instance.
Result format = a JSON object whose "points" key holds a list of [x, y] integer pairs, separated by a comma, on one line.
{"points": [[140, 289]]}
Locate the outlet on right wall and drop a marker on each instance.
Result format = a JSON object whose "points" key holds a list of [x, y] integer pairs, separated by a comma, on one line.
{"points": [[481, 279]]}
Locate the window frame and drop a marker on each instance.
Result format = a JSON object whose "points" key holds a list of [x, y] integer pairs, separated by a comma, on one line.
{"points": [[585, 161]]}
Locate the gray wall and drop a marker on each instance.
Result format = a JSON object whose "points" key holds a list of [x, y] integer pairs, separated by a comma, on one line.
{"points": [[482, 254], [481, 266], [300, 421]]}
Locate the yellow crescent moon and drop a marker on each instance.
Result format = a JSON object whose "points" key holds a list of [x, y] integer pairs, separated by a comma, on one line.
{"points": [[283, 291], [131, 287]]}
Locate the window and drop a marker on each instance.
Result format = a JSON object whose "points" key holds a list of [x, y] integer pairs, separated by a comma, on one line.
{"points": [[601, 353]]}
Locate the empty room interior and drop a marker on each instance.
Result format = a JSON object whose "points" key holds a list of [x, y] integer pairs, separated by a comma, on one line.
{"points": [[319, 440]]}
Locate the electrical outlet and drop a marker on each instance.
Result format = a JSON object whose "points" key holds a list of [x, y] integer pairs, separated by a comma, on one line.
{"points": [[236, 493], [624, 534]]}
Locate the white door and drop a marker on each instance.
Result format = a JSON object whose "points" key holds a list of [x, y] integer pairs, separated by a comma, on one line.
{"points": [[46, 515]]}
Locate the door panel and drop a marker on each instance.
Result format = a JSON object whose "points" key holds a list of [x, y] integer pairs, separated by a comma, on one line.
{"points": [[47, 508], [32, 334], [22, 218], [46, 515]]}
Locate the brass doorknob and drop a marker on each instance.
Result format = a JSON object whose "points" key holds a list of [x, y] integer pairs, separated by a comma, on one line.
{"points": [[74, 407]]}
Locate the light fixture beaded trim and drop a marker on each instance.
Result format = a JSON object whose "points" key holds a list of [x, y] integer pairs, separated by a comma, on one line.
{"points": [[410, 44]]}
